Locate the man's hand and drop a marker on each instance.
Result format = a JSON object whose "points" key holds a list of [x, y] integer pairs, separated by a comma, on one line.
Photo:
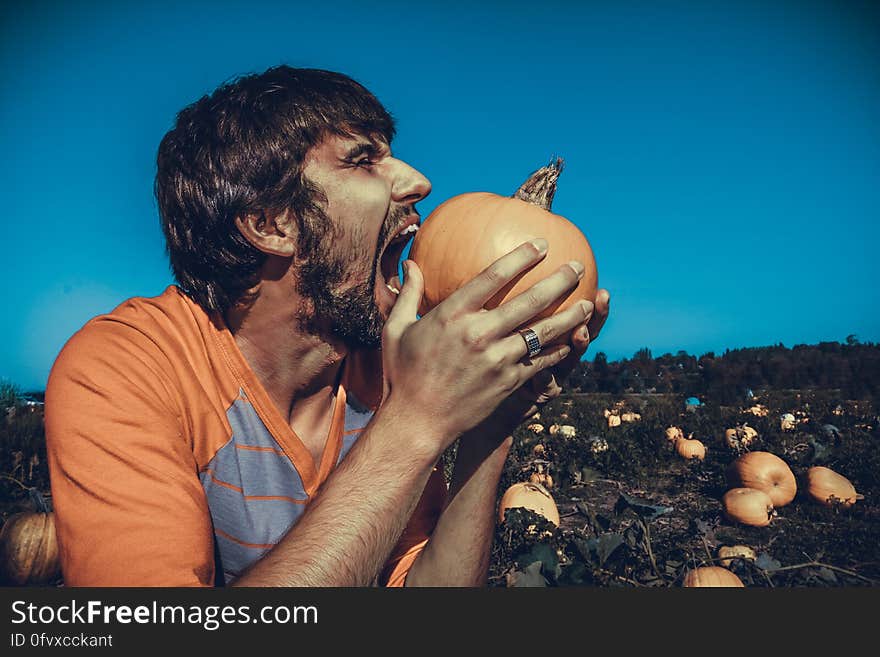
{"points": [[546, 384], [448, 371]]}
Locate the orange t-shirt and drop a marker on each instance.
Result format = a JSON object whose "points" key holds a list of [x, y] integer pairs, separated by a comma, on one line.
{"points": [[169, 464]]}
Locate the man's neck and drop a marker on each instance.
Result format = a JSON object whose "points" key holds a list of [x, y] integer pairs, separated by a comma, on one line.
{"points": [[298, 370]]}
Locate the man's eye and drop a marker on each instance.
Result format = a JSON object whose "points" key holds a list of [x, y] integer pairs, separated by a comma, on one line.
{"points": [[365, 162]]}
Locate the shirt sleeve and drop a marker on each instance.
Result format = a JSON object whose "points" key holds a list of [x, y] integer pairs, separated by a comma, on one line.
{"points": [[418, 531], [129, 507]]}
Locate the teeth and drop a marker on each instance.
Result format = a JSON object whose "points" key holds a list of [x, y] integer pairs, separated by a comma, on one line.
{"points": [[392, 288], [413, 228]]}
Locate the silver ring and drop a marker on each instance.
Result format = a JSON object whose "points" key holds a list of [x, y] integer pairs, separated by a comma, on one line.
{"points": [[533, 344]]}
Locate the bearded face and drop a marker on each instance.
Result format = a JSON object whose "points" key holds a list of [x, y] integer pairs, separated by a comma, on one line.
{"points": [[339, 284]]}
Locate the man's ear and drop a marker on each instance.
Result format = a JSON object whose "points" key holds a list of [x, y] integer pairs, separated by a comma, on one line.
{"points": [[271, 234]]}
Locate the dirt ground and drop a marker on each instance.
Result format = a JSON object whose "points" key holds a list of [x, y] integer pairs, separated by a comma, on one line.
{"points": [[638, 514]]}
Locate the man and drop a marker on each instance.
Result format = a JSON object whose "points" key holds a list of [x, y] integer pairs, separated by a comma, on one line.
{"points": [[276, 419]]}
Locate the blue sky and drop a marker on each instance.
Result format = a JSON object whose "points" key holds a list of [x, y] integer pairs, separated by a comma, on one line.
{"points": [[722, 158]]}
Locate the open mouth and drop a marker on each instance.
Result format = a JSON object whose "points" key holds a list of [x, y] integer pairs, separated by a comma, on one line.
{"points": [[390, 260]]}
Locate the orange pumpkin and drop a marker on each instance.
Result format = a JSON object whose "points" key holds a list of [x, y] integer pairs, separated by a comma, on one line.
{"points": [[748, 506], [690, 449], [531, 496], [728, 553], [740, 437], [468, 232], [830, 488], [29, 550], [764, 471], [711, 576], [673, 434]]}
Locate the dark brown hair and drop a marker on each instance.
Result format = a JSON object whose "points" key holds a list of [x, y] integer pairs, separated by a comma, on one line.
{"points": [[240, 150]]}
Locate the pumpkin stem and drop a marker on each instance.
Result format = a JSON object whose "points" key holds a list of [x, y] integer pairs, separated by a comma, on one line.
{"points": [[540, 187]]}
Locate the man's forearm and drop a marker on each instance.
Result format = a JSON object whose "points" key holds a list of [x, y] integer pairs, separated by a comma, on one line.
{"points": [[459, 550], [347, 532]]}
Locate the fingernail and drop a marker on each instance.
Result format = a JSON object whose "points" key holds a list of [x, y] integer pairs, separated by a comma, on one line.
{"points": [[406, 268], [541, 244], [587, 307], [585, 333], [578, 268]]}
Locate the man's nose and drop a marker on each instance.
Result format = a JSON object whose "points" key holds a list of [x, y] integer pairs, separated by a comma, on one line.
{"points": [[410, 186]]}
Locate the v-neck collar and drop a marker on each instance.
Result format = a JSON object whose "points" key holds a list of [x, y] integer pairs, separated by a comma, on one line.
{"points": [[313, 474]]}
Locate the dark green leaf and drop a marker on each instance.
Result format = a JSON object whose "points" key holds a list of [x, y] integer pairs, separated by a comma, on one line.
{"points": [[642, 508], [529, 577], [766, 562], [543, 554], [633, 535], [576, 574], [606, 544], [820, 451], [598, 522]]}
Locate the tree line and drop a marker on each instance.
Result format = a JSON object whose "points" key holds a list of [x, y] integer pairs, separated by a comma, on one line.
{"points": [[851, 367]]}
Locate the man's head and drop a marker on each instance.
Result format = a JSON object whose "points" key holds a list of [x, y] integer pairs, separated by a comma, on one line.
{"points": [[242, 152]]}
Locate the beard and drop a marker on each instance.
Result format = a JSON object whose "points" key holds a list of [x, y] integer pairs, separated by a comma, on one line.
{"points": [[350, 315]]}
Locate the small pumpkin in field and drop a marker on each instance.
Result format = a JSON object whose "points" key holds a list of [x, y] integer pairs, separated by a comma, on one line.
{"points": [[748, 506], [567, 431], [764, 471], [29, 549], [727, 553], [690, 448], [530, 496], [598, 445], [711, 576], [831, 488], [740, 437], [467, 233]]}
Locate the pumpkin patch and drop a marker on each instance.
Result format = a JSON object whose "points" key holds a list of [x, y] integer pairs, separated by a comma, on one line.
{"points": [[635, 511]]}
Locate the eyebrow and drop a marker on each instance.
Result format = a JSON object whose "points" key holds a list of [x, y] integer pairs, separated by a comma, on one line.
{"points": [[363, 148]]}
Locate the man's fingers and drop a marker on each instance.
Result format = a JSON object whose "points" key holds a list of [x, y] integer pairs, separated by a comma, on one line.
{"points": [[524, 306], [474, 294], [530, 367], [407, 304], [406, 308], [600, 314], [548, 329], [580, 338]]}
